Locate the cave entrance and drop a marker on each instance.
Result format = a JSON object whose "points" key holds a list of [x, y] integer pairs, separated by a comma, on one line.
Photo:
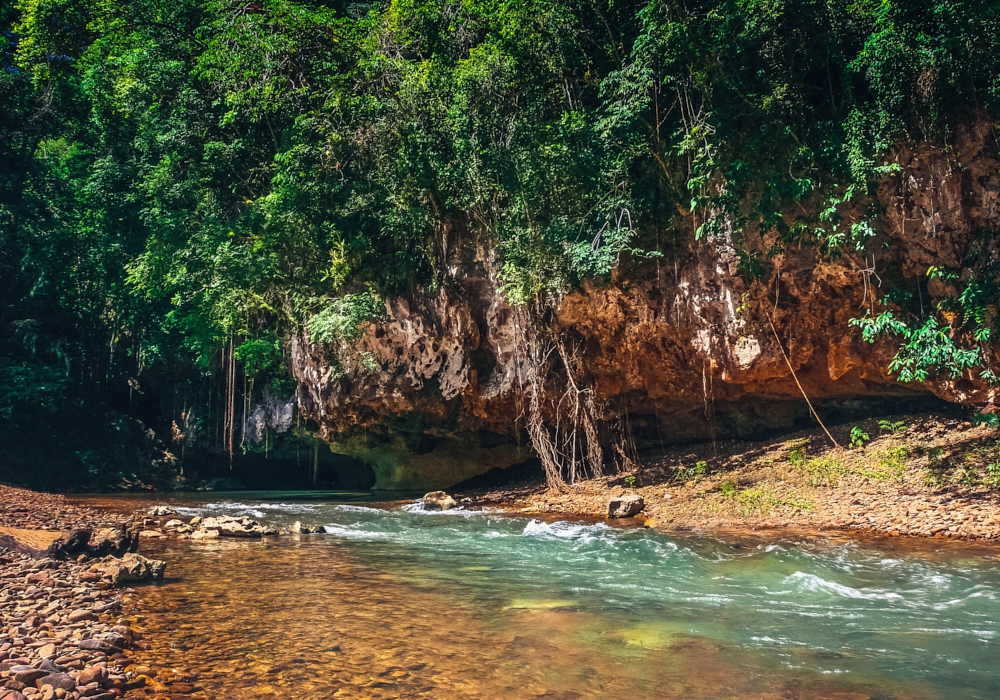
{"points": [[335, 472]]}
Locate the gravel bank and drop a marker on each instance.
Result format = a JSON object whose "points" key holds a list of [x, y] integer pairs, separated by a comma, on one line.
{"points": [[62, 634], [916, 476]]}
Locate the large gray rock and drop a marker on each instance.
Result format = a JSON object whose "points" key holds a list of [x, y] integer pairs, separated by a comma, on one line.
{"points": [[438, 500], [625, 506]]}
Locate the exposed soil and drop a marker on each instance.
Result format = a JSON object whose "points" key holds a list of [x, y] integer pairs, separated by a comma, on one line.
{"points": [[922, 476]]}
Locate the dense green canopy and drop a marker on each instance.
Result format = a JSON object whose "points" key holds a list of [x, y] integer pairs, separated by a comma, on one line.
{"points": [[179, 174]]}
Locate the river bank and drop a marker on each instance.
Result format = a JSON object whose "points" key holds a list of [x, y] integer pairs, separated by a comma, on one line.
{"points": [[62, 631], [921, 476]]}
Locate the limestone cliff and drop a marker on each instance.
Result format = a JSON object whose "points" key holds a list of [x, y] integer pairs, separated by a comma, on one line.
{"points": [[674, 349]]}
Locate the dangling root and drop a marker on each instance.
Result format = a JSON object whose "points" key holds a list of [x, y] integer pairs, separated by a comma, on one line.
{"points": [[570, 450]]}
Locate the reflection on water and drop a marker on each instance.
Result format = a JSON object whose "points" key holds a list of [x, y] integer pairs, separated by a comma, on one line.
{"points": [[395, 602]]}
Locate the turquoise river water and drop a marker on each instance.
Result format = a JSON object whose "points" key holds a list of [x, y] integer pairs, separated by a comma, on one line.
{"points": [[394, 601]]}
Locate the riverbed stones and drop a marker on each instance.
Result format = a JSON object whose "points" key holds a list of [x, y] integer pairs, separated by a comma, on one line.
{"points": [[203, 534], [161, 511], [62, 681], [56, 642], [438, 500], [625, 506], [28, 676], [95, 674], [81, 616]]}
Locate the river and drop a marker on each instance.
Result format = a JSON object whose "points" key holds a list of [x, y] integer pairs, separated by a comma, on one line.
{"points": [[397, 602]]}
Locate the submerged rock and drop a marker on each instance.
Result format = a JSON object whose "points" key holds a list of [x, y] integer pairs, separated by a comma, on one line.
{"points": [[625, 506], [438, 500]]}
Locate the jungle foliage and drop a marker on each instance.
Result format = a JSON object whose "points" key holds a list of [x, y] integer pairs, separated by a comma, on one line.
{"points": [[189, 176]]}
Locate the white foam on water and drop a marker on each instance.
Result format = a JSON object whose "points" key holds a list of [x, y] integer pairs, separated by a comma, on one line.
{"points": [[185, 510], [812, 582], [713, 599], [417, 507], [565, 531], [358, 509], [952, 630], [347, 532]]}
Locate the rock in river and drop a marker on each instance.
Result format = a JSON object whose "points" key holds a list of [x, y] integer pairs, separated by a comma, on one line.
{"points": [[625, 506], [438, 500], [205, 535], [228, 526], [131, 567]]}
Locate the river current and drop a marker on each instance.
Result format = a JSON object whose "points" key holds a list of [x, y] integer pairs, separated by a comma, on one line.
{"points": [[394, 601]]}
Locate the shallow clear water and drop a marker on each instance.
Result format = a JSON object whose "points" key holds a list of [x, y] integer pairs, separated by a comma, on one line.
{"points": [[397, 602]]}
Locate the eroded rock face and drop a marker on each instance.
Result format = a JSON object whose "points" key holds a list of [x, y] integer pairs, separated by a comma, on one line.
{"points": [[683, 345]]}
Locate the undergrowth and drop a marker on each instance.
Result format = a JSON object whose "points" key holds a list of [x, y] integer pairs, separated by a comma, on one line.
{"points": [[978, 466], [881, 463], [760, 499]]}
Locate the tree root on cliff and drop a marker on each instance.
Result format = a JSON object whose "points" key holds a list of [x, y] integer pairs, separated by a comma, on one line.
{"points": [[564, 432]]}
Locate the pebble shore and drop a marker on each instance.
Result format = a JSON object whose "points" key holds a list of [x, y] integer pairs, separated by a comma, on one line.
{"points": [[931, 479], [61, 631]]}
